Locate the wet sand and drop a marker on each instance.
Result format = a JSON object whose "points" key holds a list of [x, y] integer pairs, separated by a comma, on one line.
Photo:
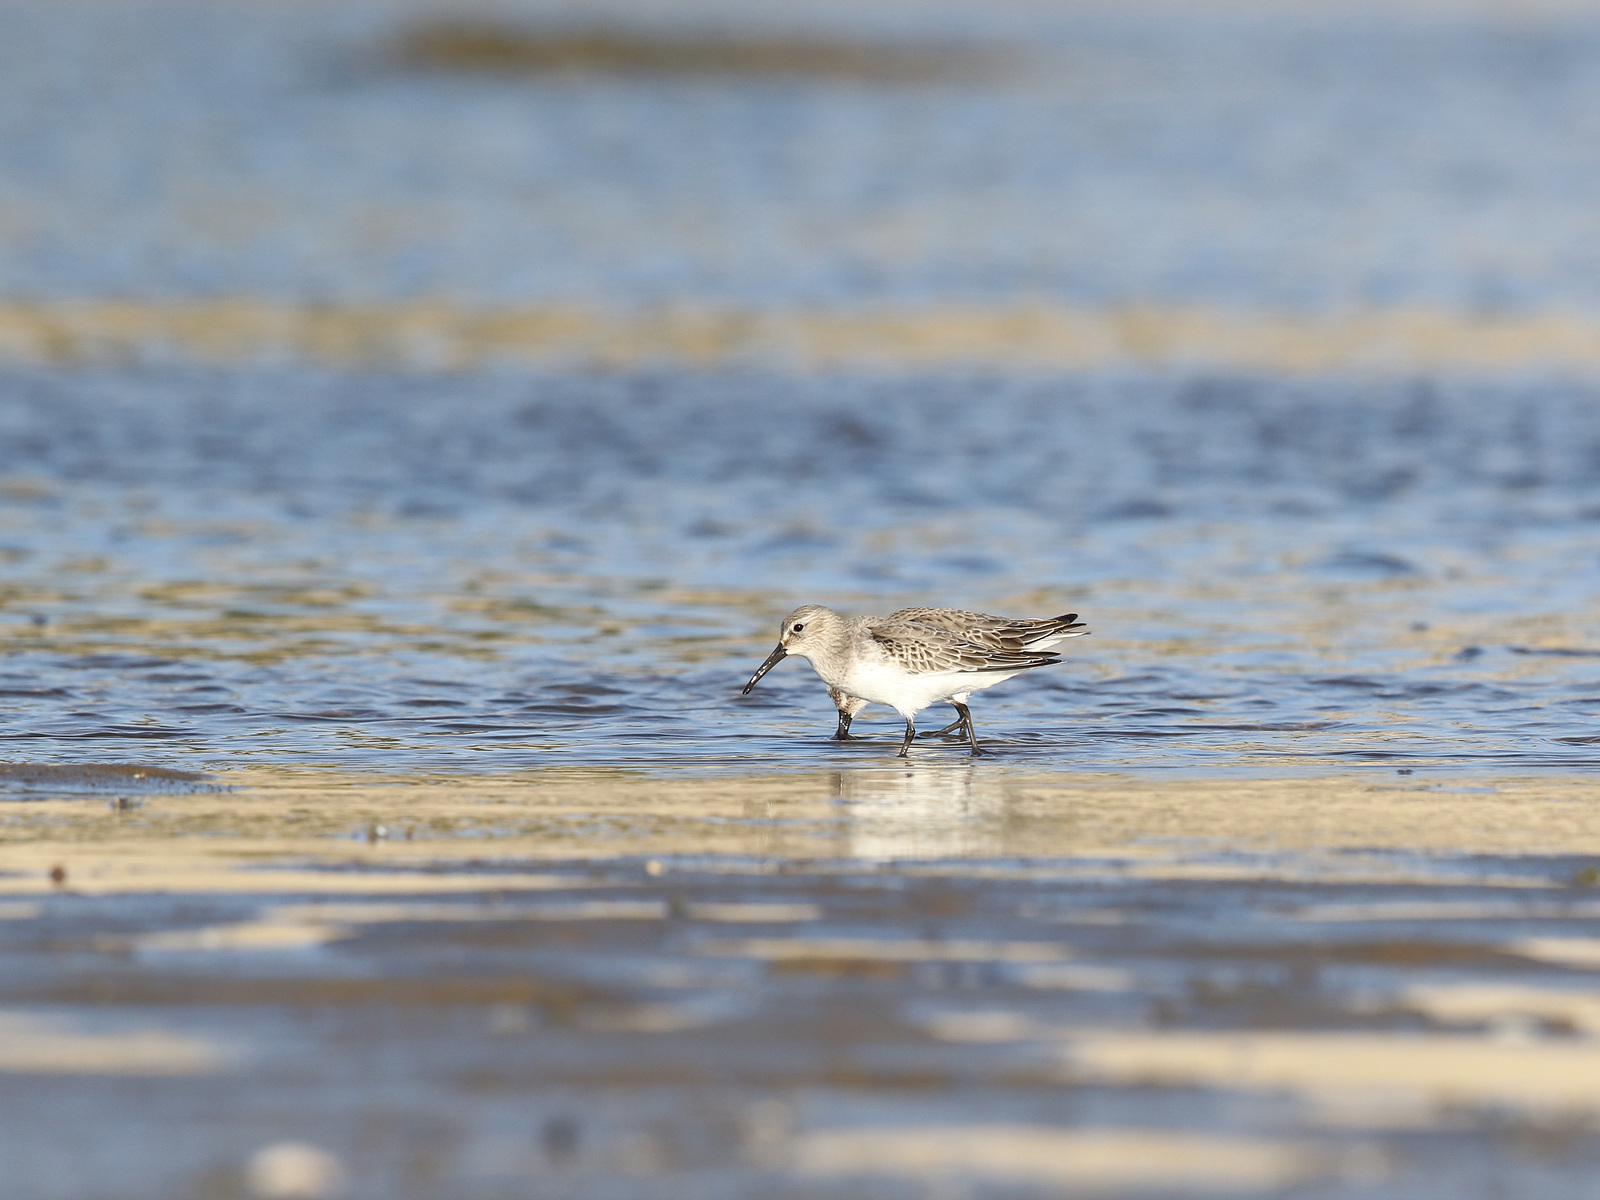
{"points": [[1026, 338], [936, 804], [896, 980]]}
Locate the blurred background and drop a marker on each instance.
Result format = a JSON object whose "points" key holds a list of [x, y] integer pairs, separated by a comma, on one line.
{"points": [[405, 392]]}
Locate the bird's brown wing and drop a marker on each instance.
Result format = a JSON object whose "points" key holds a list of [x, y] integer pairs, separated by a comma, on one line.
{"points": [[985, 629], [951, 619], [1030, 630], [929, 650]]}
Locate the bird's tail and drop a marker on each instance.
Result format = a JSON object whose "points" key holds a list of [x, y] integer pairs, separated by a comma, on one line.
{"points": [[1045, 632]]}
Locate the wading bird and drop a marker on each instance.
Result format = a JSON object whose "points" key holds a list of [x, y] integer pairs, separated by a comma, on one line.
{"points": [[915, 657]]}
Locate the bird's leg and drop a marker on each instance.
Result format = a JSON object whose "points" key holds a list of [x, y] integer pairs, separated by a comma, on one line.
{"points": [[966, 720], [957, 727], [905, 746], [843, 734]]}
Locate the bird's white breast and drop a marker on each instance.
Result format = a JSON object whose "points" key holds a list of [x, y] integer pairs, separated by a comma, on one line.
{"points": [[888, 683]]}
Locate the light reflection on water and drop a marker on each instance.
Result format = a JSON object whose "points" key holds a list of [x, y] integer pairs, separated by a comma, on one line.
{"points": [[516, 571]]}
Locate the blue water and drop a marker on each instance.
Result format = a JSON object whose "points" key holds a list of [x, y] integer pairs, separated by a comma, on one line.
{"points": [[1300, 156], [205, 569]]}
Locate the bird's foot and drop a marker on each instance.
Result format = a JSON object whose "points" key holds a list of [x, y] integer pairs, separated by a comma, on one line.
{"points": [[846, 737]]}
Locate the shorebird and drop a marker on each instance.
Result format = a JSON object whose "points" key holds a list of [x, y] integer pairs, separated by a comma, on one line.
{"points": [[1005, 633], [915, 657]]}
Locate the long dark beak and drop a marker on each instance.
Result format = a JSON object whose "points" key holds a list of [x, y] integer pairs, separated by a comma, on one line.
{"points": [[773, 659]]}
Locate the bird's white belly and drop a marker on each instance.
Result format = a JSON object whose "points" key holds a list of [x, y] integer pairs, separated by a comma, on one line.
{"points": [[886, 683]]}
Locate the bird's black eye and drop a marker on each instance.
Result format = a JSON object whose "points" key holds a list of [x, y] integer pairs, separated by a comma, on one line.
{"points": [[797, 628]]}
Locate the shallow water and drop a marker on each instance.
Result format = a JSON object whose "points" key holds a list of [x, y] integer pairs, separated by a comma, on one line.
{"points": [[1281, 885], [207, 570], [1256, 155], [379, 817]]}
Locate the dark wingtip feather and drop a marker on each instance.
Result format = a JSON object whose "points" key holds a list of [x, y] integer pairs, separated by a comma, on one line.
{"points": [[1024, 662]]}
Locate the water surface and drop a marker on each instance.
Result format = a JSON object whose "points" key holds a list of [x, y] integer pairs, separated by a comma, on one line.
{"points": [[502, 571], [378, 813]]}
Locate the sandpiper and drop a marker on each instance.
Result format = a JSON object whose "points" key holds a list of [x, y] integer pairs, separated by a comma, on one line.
{"points": [[915, 657], [1005, 633]]}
